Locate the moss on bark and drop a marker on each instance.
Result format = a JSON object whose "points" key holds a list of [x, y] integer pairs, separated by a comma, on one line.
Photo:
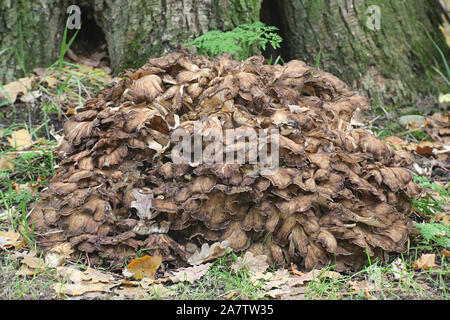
{"points": [[391, 65]]}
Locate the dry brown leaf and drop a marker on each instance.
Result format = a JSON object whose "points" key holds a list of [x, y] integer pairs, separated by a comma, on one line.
{"points": [[398, 269], [26, 271], [58, 255], [190, 274], [321, 274], [5, 243], [251, 263], [7, 161], [33, 262], [11, 239], [208, 253], [425, 148], [31, 265], [78, 276], [276, 293], [360, 286], [77, 289], [131, 292], [142, 203], [283, 277], [445, 252], [13, 89], [425, 262], [77, 282], [144, 267], [96, 276], [260, 276], [396, 141]]}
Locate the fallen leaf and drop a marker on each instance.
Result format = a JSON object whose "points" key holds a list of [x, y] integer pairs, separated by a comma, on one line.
{"points": [[26, 271], [79, 282], [398, 269], [445, 252], [50, 80], [131, 292], [7, 161], [425, 148], [190, 274], [5, 243], [144, 267], [396, 141], [77, 289], [30, 96], [13, 89], [251, 263], [58, 255], [257, 276], [32, 262], [360, 286], [11, 239], [425, 262], [321, 274], [294, 293], [160, 290], [96, 276], [208, 253], [89, 275], [20, 139], [30, 265], [283, 277], [275, 293]]}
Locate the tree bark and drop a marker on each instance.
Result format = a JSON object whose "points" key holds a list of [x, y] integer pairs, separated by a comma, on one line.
{"points": [[133, 30], [390, 64]]}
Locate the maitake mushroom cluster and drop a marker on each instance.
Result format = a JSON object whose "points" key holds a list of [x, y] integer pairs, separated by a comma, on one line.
{"points": [[339, 193]]}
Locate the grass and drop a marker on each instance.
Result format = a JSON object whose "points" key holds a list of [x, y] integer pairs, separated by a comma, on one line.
{"points": [[17, 287], [221, 282], [380, 283]]}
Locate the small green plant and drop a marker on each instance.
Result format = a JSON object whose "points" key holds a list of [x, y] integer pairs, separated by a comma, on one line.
{"points": [[428, 205], [238, 41], [47, 108], [435, 234]]}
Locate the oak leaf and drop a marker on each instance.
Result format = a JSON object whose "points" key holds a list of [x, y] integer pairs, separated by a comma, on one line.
{"points": [[144, 267]]}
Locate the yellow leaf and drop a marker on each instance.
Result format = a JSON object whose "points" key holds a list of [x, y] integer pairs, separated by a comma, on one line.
{"points": [[20, 139], [7, 161], [144, 267]]}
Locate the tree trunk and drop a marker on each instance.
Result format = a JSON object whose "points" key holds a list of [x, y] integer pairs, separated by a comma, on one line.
{"points": [[389, 62], [133, 30]]}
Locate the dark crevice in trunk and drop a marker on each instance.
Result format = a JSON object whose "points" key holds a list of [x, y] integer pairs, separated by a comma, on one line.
{"points": [[90, 38], [270, 14]]}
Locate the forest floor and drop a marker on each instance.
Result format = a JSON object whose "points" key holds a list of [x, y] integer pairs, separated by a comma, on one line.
{"points": [[31, 126]]}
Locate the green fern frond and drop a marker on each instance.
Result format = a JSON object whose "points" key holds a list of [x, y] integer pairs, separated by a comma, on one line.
{"points": [[238, 41]]}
